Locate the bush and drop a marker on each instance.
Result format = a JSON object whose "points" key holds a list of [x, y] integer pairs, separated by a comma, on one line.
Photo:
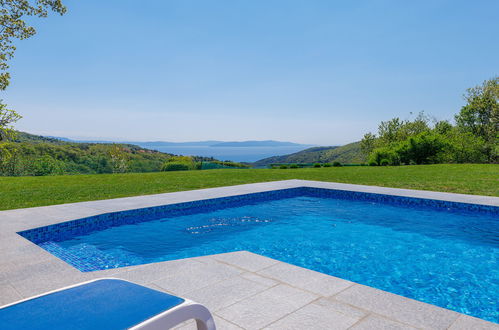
{"points": [[293, 166], [326, 165], [283, 166], [384, 162], [386, 153], [175, 166], [47, 165], [336, 164], [425, 148], [317, 165], [229, 163], [372, 163]]}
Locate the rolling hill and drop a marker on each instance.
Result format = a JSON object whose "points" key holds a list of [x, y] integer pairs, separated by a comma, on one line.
{"points": [[349, 154], [40, 155]]}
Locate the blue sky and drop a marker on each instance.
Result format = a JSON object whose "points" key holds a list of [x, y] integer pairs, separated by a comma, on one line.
{"points": [[320, 72]]}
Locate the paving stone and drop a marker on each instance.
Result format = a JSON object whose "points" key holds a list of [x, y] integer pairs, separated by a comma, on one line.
{"points": [[225, 293], [321, 315], [259, 279], [398, 308], [465, 322], [8, 294], [306, 279], [220, 323], [246, 260], [266, 307], [47, 215], [373, 322], [341, 308], [195, 276], [25, 254], [144, 274], [39, 284], [50, 267]]}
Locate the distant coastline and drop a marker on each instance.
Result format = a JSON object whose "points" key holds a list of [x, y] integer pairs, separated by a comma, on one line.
{"points": [[238, 151], [237, 154]]}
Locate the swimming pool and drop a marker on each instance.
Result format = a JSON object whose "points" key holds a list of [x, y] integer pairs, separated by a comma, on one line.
{"points": [[442, 253]]}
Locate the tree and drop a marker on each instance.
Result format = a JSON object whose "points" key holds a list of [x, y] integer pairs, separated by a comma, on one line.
{"points": [[480, 116], [7, 117], [465, 147], [424, 148], [47, 165], [13, 26], [443, 127], [388, 131], [368, 143], [397, 130], [119, 159]]}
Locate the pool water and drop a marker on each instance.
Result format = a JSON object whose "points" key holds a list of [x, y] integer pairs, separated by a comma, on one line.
{"points": [[435, 255]]}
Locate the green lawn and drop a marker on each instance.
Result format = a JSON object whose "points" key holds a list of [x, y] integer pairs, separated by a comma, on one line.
{"points": [[20, 192]]}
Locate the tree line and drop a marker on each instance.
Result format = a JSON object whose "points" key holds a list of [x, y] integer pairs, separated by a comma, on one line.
{"points": [[46, 158], [472, 138]]}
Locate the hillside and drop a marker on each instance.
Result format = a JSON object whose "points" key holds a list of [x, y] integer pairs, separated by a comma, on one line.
{"points": [[349, 153], [39, 155]]}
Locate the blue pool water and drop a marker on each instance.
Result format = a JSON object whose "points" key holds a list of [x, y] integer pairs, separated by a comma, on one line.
{"points": [[441, 256]]}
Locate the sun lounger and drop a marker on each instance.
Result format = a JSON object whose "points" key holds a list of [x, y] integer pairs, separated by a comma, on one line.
{"points": [[104, 304]]}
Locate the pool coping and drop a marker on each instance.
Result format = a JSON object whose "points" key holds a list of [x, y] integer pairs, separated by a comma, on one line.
{"points": [[26, 269]]}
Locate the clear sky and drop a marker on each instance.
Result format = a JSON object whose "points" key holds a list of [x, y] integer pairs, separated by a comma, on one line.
{"points": [[310, 71]]}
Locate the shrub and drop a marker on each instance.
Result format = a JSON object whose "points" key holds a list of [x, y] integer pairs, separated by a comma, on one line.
{"points": [[317, 165], [283, 167], [293, 166], [372, 163], [384, 153], [229, 163], [47, 165], [326, 165], [384, 162], [424, 148], [175, 166], [336, 164]]}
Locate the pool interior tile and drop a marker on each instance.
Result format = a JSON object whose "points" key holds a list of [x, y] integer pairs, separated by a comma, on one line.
{"points": [[48, 236]]}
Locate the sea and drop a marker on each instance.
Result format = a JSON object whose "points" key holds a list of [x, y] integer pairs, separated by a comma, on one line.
{"points": [[236, 154]]}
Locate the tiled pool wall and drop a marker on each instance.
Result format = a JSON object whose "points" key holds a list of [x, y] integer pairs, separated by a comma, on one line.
{"points": [[69, 229]]}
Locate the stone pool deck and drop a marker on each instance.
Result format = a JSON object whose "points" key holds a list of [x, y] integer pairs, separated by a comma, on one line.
{"points": [[242, 289]]}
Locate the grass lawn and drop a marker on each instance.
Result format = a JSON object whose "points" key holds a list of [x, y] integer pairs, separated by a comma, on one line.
{"points": [[20, 192]]}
